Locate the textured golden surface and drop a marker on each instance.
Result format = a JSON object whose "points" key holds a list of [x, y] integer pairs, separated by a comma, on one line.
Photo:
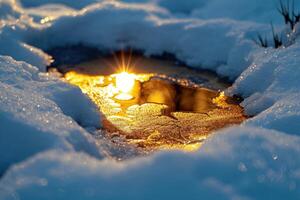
{"points": [[152, 119]]}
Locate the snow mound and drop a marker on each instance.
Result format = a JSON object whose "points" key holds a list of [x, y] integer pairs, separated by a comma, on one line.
{"points": [[250, 164], [182, 7], [22, 51], [69, 98], [32, 121], [284, 115], [77, 4], [241, 10], [218, 41], [221, 45], [271, 85]]}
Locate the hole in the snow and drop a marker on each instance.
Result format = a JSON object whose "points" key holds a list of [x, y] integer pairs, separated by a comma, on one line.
{"points": [[153, 103]]}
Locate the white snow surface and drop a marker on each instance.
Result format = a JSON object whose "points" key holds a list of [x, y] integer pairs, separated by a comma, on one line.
{"points": [[36, 111], [249, 163], [52, 157], [76, 4]]}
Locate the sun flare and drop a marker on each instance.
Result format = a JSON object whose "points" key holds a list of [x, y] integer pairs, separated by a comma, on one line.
{"points": [[125, 82]]}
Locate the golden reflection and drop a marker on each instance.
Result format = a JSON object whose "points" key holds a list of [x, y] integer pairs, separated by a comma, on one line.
{"points": [[157, 114], [221, 100]]}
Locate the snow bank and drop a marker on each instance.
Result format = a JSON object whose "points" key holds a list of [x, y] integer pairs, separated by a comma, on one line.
{"points": [[23, 52], [244, 10], [31, 122], [283, 115], [20, 140], [182, 7], [221, 45], [241, 10], [248, 164], [77, 4], [276, 71], [72, 103], [219, 42], [69, 99], [272, 81], [13, 21]]}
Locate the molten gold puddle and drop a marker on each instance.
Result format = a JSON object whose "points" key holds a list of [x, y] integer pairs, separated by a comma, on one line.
{"points": [[157, 114]]}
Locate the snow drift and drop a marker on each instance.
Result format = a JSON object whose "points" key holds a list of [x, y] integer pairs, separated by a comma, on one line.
{"points": [[249, 163], [33, 117]]}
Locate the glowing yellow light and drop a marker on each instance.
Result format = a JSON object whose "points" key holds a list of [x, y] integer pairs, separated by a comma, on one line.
{"points": [[125, 82], [221, 100]]}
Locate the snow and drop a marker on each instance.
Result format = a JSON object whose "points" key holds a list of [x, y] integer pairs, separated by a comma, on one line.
{"points": [[284, 116], [249, 164], [276, 73], [77, 4], [32, 122], [45, 152], [241, 10], [151, 30], [28, 78]]}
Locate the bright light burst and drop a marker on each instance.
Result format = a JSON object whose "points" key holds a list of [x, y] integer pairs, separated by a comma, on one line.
{"points": [[125, 82]]}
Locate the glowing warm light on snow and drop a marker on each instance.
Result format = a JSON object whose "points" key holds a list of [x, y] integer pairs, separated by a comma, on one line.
{"points": [[124, 83]]}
